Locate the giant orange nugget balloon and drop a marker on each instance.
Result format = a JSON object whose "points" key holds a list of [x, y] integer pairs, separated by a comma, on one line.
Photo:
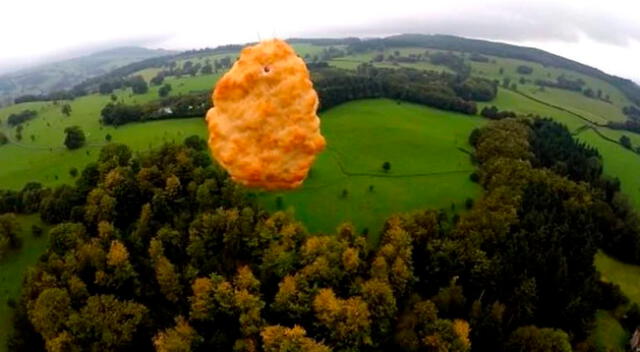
{"points": [[263, 128]]}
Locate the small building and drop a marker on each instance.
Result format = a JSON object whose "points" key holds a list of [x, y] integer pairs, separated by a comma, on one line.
{"points": [[635, 341]]}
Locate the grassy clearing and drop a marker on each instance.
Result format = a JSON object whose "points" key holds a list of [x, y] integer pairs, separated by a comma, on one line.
{"points": [[609, 335], [13, 267], [51, 167], [427, 168], [627, 276], [618, 162], [45, 159]]}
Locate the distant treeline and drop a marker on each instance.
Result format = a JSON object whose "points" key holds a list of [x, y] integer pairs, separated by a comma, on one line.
{"points": [[632, 124], [562, 82], [183, 106], [21, 117], [494, 113], [334, 86], [633, 112], [440, 90], [629, 125]]}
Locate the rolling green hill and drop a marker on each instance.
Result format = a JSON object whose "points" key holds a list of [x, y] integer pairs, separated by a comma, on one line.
{"points": [[64, 74]]}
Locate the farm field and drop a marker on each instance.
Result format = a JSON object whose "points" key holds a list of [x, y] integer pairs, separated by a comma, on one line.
{"points": [[512, 101], [428, 169]]}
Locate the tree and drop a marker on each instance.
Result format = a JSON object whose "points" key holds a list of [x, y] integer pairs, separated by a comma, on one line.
{"points": [[195, 142], [386, 166], [74, 138], [524, 70], [625, 141], [180, 338], [138, 85], [73, 172], [108, 137], [281, 339], [3, 138], [207, 69], [534, 339], [66, 109], [347, 321], [9, 229], [164, 90], [158, 79], [51, 311], [106, 323]]}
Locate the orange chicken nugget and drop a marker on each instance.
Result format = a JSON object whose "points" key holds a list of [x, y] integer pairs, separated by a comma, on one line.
{"points": [[263, 128]]}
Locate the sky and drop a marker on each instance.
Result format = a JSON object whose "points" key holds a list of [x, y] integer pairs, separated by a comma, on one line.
{"points": [[603, 34]]}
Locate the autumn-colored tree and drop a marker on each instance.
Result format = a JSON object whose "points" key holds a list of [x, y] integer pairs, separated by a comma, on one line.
{"points": [[202, 301], [281, 339], [534, 339], [347, 321], [419, 328], [381, 303], [393, 261], [180, 338], [100, 206], [50, 312], [65, 237], [106, 323]]}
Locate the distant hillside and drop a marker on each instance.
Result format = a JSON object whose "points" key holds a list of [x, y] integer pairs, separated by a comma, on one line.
{"points": [[449, 42], [65, 74]]}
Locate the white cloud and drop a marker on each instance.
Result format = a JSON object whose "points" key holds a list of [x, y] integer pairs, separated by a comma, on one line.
{"points": [[579, 29]]}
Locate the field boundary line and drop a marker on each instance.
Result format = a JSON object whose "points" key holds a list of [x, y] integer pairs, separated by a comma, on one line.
{"points": [[556, 107], [367, 174]]}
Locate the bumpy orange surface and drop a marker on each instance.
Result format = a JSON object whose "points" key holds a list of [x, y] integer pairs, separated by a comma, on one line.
{"points": [[263, 128]]}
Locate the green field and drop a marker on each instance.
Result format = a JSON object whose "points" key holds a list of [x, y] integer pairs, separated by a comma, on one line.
{"points": [[512, 101], [577, 102], [13, 267], [618, 162], [427, 168]]}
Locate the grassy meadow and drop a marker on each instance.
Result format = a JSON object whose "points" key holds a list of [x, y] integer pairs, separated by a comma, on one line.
{"points": [[609, 335], [428, 169], [13, 267]]}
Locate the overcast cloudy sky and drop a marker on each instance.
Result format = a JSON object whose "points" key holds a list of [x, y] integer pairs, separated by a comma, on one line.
{"points": [[604, 34]]}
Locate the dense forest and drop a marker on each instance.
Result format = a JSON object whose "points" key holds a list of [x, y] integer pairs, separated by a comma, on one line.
{"points": [[162, 251]]}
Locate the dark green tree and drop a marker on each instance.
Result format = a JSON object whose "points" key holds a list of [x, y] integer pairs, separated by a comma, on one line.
{"points": [[74, 137]]}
